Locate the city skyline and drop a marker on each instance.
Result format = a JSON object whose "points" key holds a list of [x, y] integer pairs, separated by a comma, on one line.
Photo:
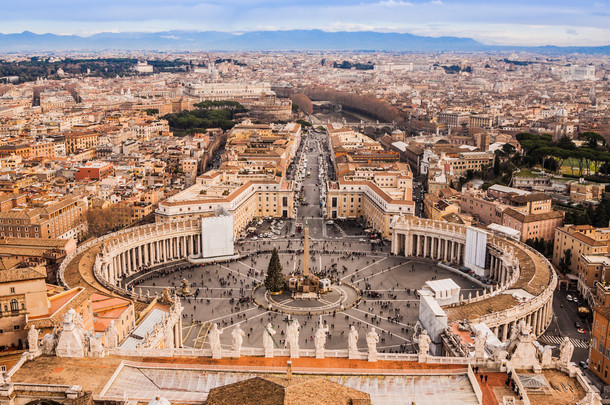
{"points": [[518, 23]]}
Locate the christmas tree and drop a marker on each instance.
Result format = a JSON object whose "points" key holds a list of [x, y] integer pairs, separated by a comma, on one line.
{"points": [[275, 279]]}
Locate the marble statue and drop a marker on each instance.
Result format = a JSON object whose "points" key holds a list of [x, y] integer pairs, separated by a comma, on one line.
{"points": [[238, 339], [48, 342], [320, 339], [524, 328], [268, 342], [547, 356], [33, 340], [112, 336], [214, 338], [352, 343], [372, 338], [565, 351], [96, 349], [292, 337], [71, 340], [424, 343], [513, 333], [165, 297], [479, 345], [169, 338]]}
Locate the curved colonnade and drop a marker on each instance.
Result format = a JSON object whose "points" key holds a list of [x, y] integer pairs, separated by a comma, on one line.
{"points": [[121, 254], [509, 265]]}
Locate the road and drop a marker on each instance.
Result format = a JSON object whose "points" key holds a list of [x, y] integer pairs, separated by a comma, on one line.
{"points": [[310, 210], [565, 316]]}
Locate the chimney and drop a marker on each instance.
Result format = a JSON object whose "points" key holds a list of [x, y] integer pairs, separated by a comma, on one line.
{"points": [[289, 370]]}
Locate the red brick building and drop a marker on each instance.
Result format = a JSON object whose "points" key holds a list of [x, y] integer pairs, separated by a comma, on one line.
{"points": [[94, 171]]}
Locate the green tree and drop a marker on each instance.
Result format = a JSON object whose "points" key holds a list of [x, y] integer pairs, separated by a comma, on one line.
{"points": [[565, 142], [274, 282]]}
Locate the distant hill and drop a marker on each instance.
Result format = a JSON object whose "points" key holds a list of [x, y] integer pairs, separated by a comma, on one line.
{"points": [[262, 40]]}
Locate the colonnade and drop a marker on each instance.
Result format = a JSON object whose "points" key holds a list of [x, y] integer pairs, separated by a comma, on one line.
{"points": [[124, 260], [498, 271], [538, 320], [429, 245], [446, 242]]}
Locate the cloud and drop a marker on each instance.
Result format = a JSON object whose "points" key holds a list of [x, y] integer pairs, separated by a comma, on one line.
{"points": [[394, 3], [497, 21]]}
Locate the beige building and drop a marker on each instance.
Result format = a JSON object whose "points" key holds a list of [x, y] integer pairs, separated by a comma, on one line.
{"points": [[65, 218], [372, 185], [78, 141], [437, 208], [587, 247], [372, 193], [581, 192], [579, 240], [23, 294], [245, 197], [486, 209]]}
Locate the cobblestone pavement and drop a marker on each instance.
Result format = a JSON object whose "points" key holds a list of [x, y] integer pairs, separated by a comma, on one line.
{"points": [[388, 284]]}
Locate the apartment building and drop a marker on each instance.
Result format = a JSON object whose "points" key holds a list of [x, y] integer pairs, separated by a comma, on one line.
{"points": [[244, 196], [579, 240], [23, 150], [599, 353], [78, 141], [372, 185], [438, 208], [43, 149], [468, 161], [58, 219], [23, 294], [533, 216], [94, 171], [453, 119], [587, 248], [487, 209]]}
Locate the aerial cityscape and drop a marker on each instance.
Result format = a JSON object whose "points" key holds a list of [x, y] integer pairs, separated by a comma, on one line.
{"points": [[270, 202]]}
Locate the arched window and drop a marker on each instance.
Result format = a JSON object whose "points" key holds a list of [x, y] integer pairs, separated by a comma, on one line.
{"points": [[14, 305]]}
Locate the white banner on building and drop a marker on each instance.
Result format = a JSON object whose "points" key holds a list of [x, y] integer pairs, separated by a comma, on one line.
{"points": [[217, 236], [476, 250]]}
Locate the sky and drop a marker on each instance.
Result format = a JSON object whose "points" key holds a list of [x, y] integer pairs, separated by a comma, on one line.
{"points": [[497, 22]]}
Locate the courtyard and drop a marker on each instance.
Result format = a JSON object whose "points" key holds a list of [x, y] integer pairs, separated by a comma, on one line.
{"points": [[222, 294]]}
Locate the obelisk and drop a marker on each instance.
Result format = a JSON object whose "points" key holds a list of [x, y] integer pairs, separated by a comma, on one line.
{"points": [[306, 252]]}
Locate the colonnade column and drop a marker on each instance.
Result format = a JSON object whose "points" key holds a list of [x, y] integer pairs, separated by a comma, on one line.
{"points": [[425, 246]]}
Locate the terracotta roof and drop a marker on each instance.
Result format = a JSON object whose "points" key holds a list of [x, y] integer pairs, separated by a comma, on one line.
{"points": [[10, 273], [526, 218], [530, 197]]}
